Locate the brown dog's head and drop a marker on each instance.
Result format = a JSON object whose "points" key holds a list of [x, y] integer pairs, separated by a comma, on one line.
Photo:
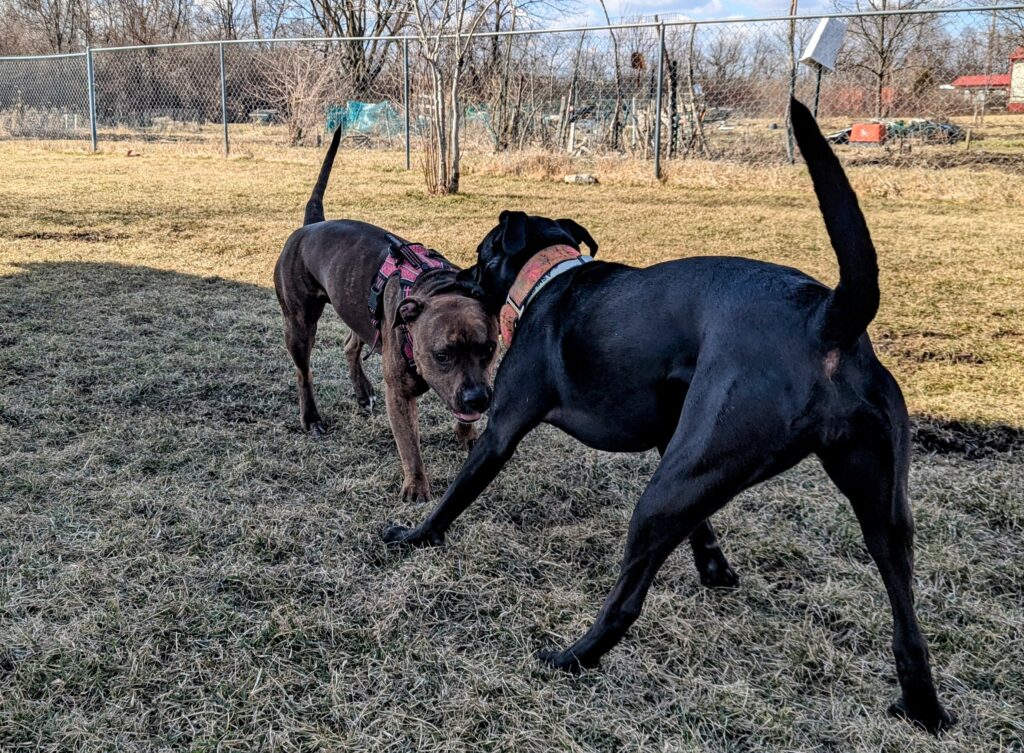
{"points": [[454, 344]]}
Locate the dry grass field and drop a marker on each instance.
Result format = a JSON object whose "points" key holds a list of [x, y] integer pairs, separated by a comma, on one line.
{"points": [[182, 569]]}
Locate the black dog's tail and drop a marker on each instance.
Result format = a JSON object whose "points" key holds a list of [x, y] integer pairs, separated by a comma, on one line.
{"points": [[315, 205], [854, 303]]}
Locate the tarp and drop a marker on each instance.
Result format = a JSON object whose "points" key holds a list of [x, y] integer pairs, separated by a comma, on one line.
{"points": [[367, 118]]}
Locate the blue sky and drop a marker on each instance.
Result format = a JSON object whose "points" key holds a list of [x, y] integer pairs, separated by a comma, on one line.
{"points": [[700, 9]]}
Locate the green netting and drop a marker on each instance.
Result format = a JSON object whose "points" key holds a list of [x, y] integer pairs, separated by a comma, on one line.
{"points": [[478, 114], [367, 118]]}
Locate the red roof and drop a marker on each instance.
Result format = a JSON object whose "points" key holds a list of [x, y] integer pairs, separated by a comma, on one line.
{"points": [[994, 81]]}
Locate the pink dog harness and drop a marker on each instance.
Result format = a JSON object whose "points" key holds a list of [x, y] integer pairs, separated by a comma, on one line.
{"points": [[408, 261]]}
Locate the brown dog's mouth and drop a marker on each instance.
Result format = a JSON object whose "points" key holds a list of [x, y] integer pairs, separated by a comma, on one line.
{"points": [[467, 418]]}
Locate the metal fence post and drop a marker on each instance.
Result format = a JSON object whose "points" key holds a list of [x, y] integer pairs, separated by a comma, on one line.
{"points": [[224, 100], [405, 99], [657, 102], [819, 69], [91, 88], [790, 144]]}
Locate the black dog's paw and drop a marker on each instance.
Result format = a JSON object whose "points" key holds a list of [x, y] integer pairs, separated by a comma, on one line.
{"points": [[563, 660], [935, 720], [718, 574], [317, 429], [396, 535]]}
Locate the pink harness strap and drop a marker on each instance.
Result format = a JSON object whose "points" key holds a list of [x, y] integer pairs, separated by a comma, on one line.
{"points": [[408, 261]]}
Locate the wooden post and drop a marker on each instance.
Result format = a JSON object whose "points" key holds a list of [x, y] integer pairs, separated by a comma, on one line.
{"points": [[790, 146], [657, 102]]}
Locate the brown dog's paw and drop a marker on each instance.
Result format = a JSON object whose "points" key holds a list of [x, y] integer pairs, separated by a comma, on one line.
{"points": [[466, 434], [935, 720], [416, 490]]}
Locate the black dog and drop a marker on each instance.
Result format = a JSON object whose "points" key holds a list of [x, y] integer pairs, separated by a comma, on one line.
{"points": [[735, 370]]}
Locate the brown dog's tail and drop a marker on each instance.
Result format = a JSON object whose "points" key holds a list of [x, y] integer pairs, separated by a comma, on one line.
{"points": [[854, 303], [315, 205]]}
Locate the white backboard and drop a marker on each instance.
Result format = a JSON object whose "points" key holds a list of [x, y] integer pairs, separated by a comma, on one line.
{"points": [[823, 46]]}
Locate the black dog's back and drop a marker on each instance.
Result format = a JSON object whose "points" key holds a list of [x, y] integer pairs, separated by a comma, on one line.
{"points": [[646, 331]]}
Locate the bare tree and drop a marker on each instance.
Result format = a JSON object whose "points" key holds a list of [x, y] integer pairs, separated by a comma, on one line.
{"points": [[362, 60], [225, 19], [883, 44], [300, 84], [506, 106], [58, 21], [250, 19], [615, 140], [446, 30]]}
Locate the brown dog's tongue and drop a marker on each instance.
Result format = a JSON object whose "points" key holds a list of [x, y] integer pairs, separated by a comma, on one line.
{"points": [[467, 418]]}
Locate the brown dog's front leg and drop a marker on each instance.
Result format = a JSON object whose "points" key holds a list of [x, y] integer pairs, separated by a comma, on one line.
{"points": [[466, 434], [404, 419]]}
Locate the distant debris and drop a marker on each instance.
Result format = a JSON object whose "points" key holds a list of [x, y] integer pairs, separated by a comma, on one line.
{"points": [[880, 131], [582, 179]]}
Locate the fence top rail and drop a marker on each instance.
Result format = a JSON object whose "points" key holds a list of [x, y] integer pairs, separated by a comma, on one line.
{"points": [[559, 30], [44, 57]]}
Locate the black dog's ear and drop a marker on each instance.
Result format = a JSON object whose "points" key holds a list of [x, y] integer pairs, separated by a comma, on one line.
{"points": [[468, 283], [408, 311], [579, 233], [513, 231], [468, 276]]}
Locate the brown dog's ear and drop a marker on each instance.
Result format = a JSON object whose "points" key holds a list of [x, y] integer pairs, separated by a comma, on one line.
{"points": [[579, 233], [408, 311], [513, 231]]}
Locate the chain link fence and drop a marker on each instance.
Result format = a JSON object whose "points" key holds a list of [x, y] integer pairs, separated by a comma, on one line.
{"points": [[713, 90]]}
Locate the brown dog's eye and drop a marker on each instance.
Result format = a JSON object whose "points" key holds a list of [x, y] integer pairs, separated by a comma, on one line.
{"points": [[442, 357], [489, 349]]}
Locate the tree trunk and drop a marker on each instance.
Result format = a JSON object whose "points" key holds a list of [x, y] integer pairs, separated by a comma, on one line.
{"points": [[456, 124]]}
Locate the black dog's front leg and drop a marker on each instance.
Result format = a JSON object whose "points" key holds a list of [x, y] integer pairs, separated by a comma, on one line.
{"points": [[488, 456]]}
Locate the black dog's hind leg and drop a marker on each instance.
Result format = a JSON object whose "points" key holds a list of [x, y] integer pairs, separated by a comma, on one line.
{"points": [[870, 468], [702, 469], [300, 324], [712, 566], [360, 384]]}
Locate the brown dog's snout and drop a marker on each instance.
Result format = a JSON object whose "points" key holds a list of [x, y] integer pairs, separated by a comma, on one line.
{"points": [[475, 398]]}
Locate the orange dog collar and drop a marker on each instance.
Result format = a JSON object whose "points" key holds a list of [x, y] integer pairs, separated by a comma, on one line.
{"points": [[542, 268]]}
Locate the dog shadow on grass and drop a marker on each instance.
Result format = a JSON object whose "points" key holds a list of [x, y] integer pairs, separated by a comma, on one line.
{"points": [[96, 343], [159, 370], [88, 347]]}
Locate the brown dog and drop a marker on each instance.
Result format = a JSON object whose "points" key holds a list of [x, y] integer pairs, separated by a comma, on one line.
{"points": [[432, 334]]}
